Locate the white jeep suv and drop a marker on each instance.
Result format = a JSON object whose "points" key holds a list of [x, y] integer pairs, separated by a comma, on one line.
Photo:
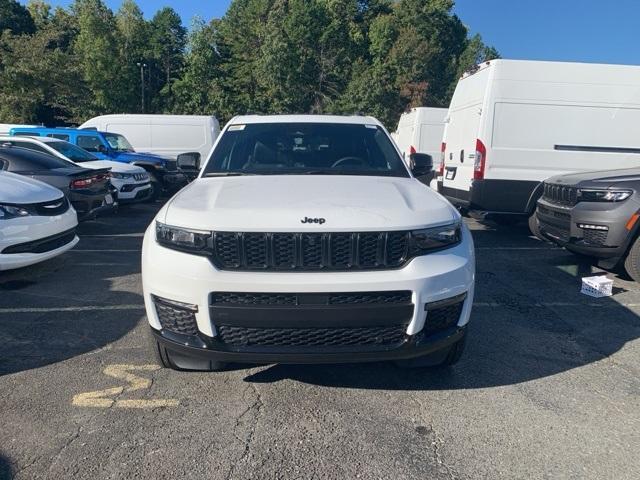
{"points": [[305, 239]]}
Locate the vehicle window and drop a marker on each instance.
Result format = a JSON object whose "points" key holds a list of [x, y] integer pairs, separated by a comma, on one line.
{"points": [[72, 152], [89, 142], [118, 142], [26, 134], [306, 148], [30, 146], [59, 136], [22, 159]]}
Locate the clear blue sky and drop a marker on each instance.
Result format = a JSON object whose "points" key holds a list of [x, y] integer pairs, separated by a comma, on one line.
{"points": [[572, 30]]}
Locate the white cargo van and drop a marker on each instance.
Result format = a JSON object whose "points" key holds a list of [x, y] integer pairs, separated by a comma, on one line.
{"points": [[166, 135], [422, 129], [512, 124]]}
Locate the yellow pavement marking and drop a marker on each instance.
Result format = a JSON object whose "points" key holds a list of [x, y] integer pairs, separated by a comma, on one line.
{"points": [[101, 398]]}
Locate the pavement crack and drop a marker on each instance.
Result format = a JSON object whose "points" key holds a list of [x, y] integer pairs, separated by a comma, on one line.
{"points": [[437, 442], [255, 407]]}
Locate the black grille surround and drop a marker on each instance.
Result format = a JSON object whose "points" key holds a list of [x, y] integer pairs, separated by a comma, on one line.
{"points": [[562, 195], [285, 252], [43, 245]]}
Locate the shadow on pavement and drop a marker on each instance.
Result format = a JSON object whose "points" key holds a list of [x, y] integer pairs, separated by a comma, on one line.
{"points": [[529, 322], [75, 303], [6, 472]]}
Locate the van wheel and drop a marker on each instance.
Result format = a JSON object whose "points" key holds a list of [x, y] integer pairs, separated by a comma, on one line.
{"points": [[442, 358], [632, 261]]}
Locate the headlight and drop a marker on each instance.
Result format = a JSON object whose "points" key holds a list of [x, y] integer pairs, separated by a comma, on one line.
{"points": [[121, 176], [604, 195], [183, 239], [12, 211], [429, 239]]}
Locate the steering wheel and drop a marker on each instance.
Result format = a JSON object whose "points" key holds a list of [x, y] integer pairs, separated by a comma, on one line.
{"points": [[348, 161]]}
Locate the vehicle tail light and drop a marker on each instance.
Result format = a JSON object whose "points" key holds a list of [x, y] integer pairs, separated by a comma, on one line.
{"points": [[412, 150], [480, 160], [443, 148], [84, 182]]}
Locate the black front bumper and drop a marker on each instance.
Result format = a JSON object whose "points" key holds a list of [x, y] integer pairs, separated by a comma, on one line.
{"points": [[306, 328], [187, 353]]}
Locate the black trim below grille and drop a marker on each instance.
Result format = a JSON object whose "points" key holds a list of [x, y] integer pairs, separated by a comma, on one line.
{"points": [[310, 251], [381, 336], [401, 297], [43, 245]]}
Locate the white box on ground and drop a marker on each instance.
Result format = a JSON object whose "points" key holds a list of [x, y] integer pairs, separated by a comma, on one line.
{"points": [[598, 286]]}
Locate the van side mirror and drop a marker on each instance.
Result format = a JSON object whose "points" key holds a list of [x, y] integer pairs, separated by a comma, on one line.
{"points": [[421, 164], [189, 161], [101, 148]]}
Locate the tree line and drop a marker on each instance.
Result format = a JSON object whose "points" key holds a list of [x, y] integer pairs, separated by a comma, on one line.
{"points": [[379, 57]]}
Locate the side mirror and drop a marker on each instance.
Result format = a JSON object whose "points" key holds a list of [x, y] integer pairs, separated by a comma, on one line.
{"points": [[421, 164], [101, 148], [189, 161]]}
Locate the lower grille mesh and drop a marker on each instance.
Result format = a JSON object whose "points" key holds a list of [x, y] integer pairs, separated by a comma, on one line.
{"points": [[175, 318], [442, 315], [312, 337]]}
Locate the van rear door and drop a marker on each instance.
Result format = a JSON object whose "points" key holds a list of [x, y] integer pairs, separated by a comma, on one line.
{"points": [[461, 136]]}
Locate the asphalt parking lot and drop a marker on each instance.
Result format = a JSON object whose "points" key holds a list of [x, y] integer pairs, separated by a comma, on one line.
{"points": [[548, 387]]}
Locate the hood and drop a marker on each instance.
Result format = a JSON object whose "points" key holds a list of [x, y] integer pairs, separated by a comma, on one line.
{"points": [[280, 203], [131, 157], [117, 167], [24, 190], [598, 179]]}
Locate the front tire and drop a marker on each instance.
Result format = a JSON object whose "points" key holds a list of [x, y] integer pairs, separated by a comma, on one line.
{"points": [[632, 261]]}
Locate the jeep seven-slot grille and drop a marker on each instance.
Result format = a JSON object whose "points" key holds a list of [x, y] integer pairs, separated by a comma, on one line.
{"points": [[310, 251], [560, 194]]}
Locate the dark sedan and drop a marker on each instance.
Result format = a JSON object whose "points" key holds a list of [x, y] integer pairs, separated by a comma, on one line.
{"points": [[88, 190]]}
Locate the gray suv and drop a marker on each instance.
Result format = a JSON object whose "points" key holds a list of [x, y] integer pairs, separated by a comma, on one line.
{"points": [[594, 214]]}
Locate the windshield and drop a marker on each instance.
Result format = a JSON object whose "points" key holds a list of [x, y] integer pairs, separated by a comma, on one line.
{"points": [[73, 153], [118, 143], [305, 148]]}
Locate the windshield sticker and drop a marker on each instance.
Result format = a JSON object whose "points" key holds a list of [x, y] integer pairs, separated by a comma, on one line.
{"points": [[235, 128]]}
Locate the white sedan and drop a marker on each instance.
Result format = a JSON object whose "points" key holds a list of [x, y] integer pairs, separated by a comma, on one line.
{"points": [[37, 222], [131, 182]]}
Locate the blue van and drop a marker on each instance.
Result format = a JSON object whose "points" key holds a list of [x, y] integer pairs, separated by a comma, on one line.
{"points": [[164, 173]]}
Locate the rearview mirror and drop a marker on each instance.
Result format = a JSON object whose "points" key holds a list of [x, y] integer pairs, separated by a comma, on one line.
{"points": [[189, 161], [421, 164]]}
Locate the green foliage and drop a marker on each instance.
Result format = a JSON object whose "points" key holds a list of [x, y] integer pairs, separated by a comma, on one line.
{"points": [[15, 18], [376, 57]]}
